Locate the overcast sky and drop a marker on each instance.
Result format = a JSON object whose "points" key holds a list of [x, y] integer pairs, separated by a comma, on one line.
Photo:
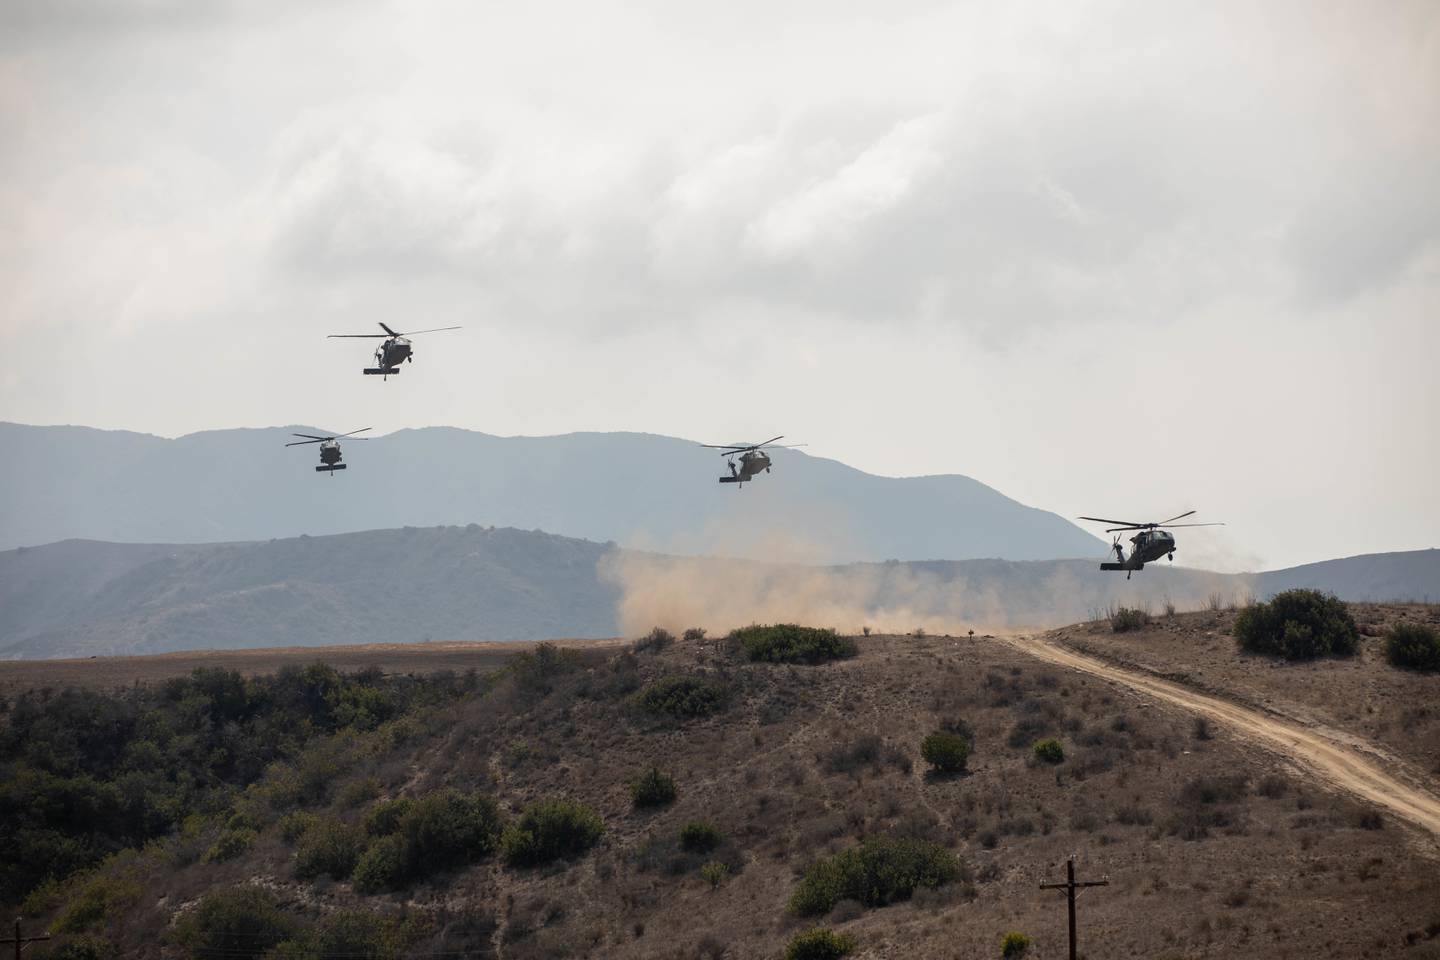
{"points": [[1122, 259]]}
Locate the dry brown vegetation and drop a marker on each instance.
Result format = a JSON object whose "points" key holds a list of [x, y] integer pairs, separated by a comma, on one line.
{"points": [[1211, 846], [1394, 711]]}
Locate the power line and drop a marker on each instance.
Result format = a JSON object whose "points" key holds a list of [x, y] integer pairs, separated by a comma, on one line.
{"points": [[20, 941]]}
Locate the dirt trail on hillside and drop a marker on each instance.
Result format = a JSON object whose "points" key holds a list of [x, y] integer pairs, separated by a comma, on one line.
{"points": [[1330, 761]]}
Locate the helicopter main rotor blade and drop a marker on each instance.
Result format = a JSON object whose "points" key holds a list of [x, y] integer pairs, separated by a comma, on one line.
{"points": [[411, 333], [1190, 524], [353, 336], [726, 446], [311, 436], [388, 330], [301, 443], [1138, 526], [352, 433], [771, 440], [1127, 524], [1181, 517]]}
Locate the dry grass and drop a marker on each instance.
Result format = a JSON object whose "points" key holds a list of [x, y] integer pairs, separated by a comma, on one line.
{"points": [[805, 762]]}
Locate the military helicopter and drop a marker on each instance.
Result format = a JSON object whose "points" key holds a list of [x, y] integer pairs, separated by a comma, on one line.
{"points": [[393, 352], [1150, 544], [753, 458], [329, 448]]}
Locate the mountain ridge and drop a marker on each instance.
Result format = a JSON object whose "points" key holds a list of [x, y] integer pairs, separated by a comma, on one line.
{"points": [[79, 598], [643, 490]]}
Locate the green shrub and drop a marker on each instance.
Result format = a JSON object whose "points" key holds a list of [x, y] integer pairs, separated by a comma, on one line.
{"points": [[695, 634], [384, 818], [535, 671], [550, 830], [715, 873], [360, 934], [1413, 646], [654, 789], [945, 751], [1298, 625], [293, 825], [656, 640], [85, 948], [230, 844], [1049, 751], [101, 896], [819, 944], [1126, 619], [239, 922], [681, 697], [1014, 945], [881, 870], [328, 848], [700, 837], [790, 643], [447, 829], [383, 866]]}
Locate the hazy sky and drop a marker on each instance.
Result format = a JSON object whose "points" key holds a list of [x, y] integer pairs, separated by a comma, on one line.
{"points": [[1123, 259]]}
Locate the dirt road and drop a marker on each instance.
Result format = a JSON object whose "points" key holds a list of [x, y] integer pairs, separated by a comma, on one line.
{"points": [[1332, 762]]}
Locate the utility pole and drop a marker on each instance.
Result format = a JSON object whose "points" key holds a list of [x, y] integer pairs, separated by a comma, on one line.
{"points": [[20, 941], [1070, 886]]}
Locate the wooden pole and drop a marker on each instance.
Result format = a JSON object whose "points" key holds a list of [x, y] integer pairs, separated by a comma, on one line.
{"points": [[1070, 886]]}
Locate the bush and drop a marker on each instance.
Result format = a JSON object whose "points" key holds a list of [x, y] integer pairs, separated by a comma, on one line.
{"points": [[1413, 646], [681, 697], [819, 944], [1298, 625], [700, 837], [715, 873], [385, 817], [86, 948], [294, 825], [241, 923], [945, 751], [654, 789], [695, 634], [360, 934], [383, 866], [789, 643], [1014, 945], [447, 829], [550, 830], [656, 640], [1049, 751], [100, 897], [881, 870], [230, 844], [1126, 619], [328, 848]]}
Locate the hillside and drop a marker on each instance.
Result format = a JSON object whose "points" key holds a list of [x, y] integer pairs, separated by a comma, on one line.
{"points": [[639, 490], [79, 598], [82, 598], [1212, 847]]}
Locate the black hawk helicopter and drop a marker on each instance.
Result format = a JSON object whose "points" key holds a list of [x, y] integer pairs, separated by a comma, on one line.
{"points": [[329, 449], [1150, 544], [393, 352], [753, 458]]}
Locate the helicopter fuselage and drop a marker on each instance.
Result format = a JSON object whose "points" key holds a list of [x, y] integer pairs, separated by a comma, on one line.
{"points": [[1147, 546], [329, 457], [752, 462], [389, 355]]}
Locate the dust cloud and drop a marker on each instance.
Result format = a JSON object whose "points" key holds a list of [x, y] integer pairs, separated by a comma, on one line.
{"points": [[940, 597]]}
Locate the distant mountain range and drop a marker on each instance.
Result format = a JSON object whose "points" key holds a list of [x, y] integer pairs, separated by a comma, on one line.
{"points": [[80, 598], [639, 490]]}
